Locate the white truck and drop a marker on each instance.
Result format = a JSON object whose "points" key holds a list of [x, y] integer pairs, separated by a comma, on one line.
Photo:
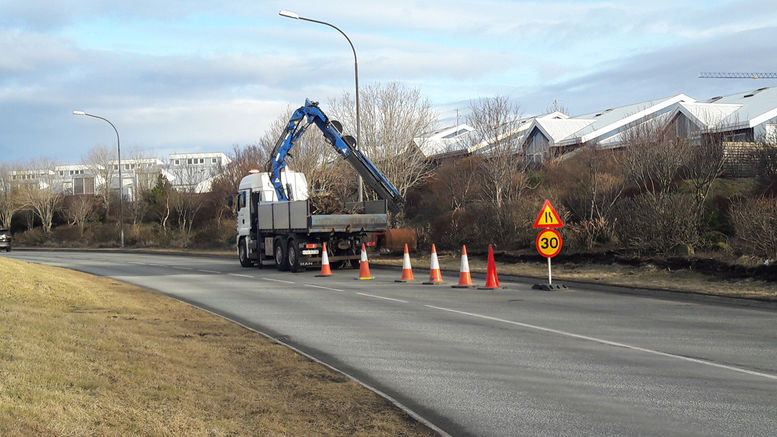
{"points": [[274, 223]]}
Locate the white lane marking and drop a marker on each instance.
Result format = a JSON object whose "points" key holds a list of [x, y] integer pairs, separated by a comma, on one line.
{"points": [[381, 297], [321, 287], [241, 276], [278, 280], [140, 264], [610, 343], [181, 268], [207, 271]]}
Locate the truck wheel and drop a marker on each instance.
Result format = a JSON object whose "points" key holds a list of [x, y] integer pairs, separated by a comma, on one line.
{"points": [[281, 261], [294, 256], [242, 254]]}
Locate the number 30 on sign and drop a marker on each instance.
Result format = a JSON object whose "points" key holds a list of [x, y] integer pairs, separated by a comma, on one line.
{"points": [[548, 243]]}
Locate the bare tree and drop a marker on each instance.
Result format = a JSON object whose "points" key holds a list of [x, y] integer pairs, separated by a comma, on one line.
{"points": [[391, 116], [458, 182], [653, 158], [144, 177], [765, 162], [77, 209], [755, 224], [100, 161], [703, 166], [10, 202], [557, 106], [243, 159], [159, 200], [658, 217], [495, 121], [40, 192], [187, 201]]}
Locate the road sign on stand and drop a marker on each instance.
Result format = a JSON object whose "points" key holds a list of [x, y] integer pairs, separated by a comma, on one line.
{"points": [[548, 240], [548, 217]]}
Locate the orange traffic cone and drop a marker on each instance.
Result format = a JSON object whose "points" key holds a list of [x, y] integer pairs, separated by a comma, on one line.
{"points": [[325, 270], [407, 271], [435, 277], [492, 281], [364, 266], [465, 279]]}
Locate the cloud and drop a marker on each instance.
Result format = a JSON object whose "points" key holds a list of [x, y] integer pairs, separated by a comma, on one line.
{"points": [[666, 72], [177, 75]]}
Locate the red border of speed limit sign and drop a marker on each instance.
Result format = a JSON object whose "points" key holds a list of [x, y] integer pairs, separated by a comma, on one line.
{"points": [[550, 251]]}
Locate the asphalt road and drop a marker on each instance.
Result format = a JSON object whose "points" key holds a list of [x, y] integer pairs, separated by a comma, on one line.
{"points": [[511, 362]]}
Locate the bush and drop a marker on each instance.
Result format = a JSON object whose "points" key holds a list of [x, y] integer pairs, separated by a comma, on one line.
{"points": [[215, 236], [452, 229], [66, 233], [588, 234], [141, 235], [755, 226], [104, 234], [32, 237], [664, 224]]}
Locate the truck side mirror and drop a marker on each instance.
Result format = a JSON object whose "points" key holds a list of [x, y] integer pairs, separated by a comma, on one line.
{"points": [[230, 201]]}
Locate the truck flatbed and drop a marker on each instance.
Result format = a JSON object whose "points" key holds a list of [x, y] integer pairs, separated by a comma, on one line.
{"points": [[295, 216]]}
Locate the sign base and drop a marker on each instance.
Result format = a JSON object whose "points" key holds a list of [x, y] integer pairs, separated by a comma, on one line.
{"points": [[548, 287]]}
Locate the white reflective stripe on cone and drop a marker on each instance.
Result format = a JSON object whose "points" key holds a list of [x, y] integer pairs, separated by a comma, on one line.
{"points": [[464, 264]]}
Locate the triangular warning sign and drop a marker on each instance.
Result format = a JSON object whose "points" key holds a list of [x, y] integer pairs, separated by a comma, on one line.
{"points": [[548, 217]]}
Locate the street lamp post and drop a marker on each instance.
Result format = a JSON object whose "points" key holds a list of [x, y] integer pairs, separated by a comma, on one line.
{"points": [[296, 16], [121, 188]]}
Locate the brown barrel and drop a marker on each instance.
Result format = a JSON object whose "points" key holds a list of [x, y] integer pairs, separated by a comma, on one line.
{"points": [[395, 240]]}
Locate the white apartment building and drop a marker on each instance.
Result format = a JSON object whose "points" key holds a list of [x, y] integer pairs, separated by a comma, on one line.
{"points": [[185, 171], [194, 172]]}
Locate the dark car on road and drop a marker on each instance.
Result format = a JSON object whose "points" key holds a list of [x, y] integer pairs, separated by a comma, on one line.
{"points": [[5, 240]]}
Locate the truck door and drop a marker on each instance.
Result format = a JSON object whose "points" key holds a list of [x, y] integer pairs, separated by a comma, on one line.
{"points": [[243, 213]]}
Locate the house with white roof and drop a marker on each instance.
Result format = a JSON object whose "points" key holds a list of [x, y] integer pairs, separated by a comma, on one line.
{"points": [[448, 141], [742, 118]]}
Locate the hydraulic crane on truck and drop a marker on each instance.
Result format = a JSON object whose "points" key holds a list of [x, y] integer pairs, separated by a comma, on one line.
{"points": [[345, 146], [274, 219]]}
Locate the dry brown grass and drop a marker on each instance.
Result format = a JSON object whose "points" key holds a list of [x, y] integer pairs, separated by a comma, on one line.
{"points": [[81, 355], [613, 274]]}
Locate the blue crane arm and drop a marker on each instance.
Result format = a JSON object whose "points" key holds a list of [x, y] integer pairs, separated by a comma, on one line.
{"points": [[344, 146]]}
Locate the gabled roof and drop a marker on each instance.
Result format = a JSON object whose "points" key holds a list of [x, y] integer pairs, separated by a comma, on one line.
{"points": [[612, 121], [707, 115], [556, 129], [522, 127], [446, 140], [757, 107], [736, 111]]}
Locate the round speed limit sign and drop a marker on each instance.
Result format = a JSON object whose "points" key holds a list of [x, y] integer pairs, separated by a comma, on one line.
{"points": [[548, 243]]}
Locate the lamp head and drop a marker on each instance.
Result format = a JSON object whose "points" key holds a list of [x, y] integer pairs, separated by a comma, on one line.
{"points": [[289, 14], [79, 113]]}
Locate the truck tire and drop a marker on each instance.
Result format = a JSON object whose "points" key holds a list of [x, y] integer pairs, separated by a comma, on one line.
{"points": [[281, 259], [242, 253], [293, 256]]}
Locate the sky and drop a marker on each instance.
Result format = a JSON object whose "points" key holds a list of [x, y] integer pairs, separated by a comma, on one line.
{"points": [[204, 76]]}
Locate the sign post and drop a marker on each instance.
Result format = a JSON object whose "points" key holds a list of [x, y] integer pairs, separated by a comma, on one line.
{"points": [[549, 245], [548, 241]]}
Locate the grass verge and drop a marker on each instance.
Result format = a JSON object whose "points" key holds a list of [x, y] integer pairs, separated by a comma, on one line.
{"points": [[646, 276], [83, 355]]}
